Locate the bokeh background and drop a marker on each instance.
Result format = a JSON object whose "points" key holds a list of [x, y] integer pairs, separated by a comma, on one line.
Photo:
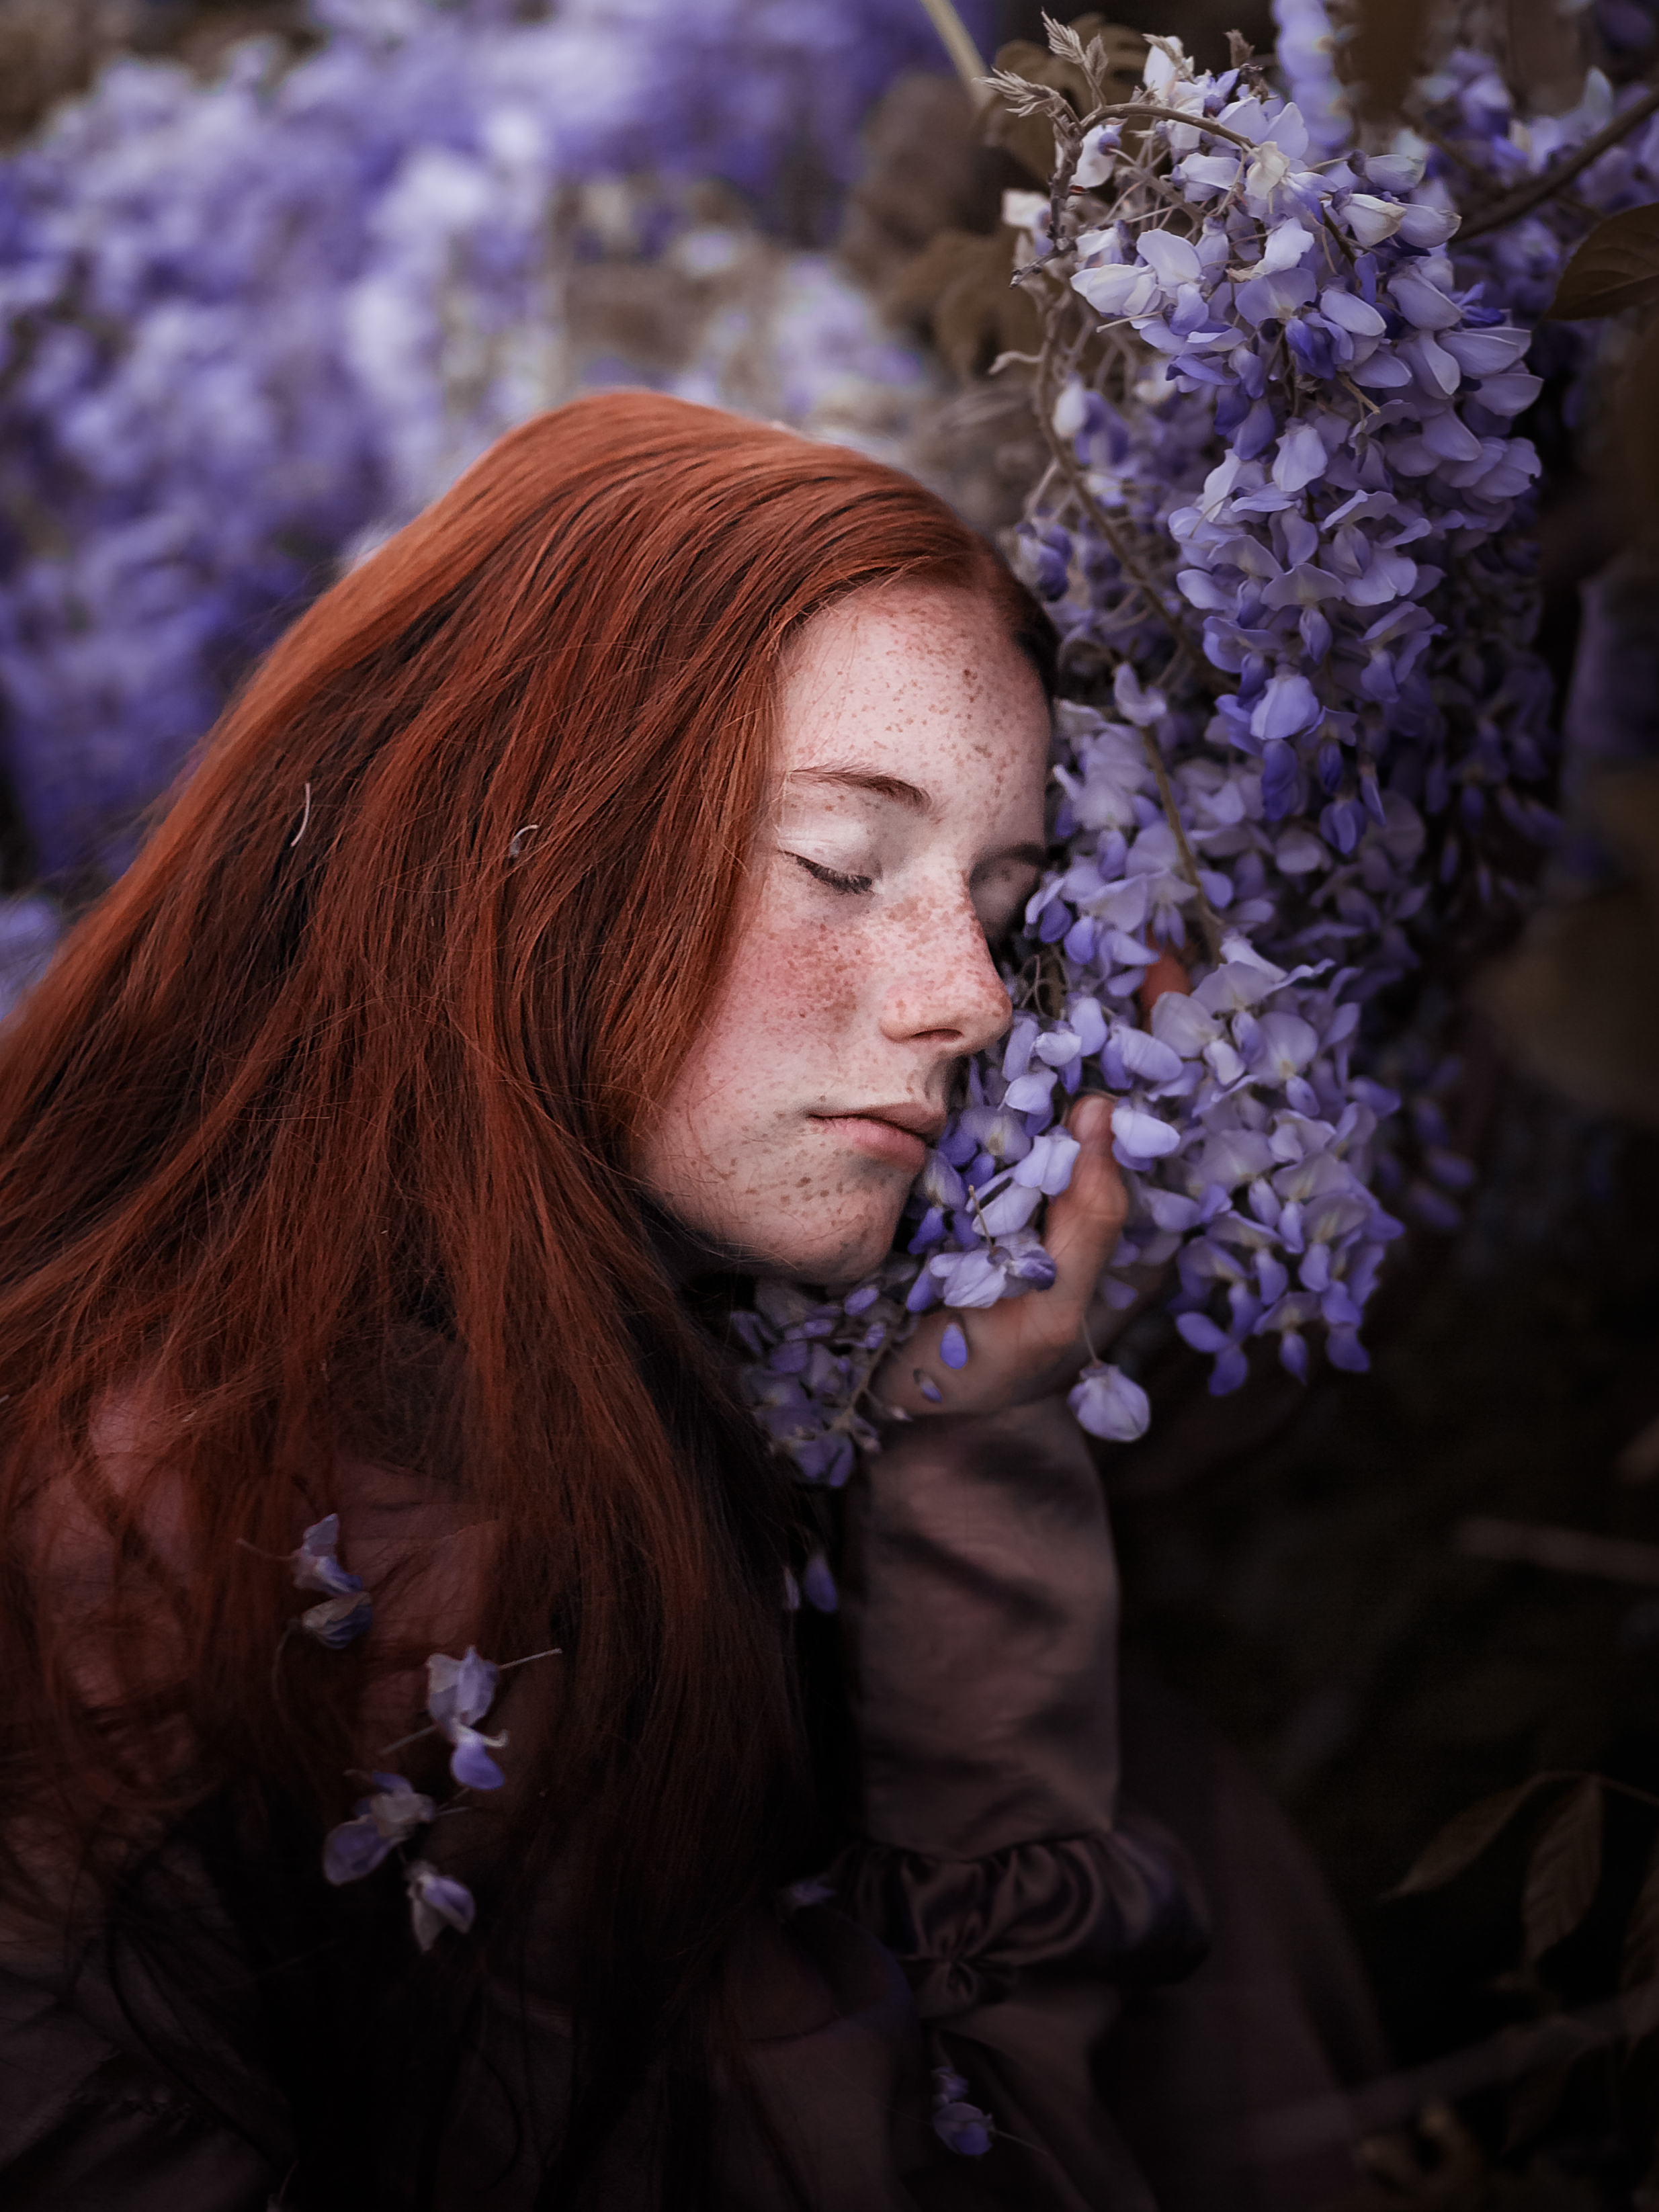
{"points": [[271, 274]]}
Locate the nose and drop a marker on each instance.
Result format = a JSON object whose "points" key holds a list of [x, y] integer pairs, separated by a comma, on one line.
{"points": [[943, 987]]}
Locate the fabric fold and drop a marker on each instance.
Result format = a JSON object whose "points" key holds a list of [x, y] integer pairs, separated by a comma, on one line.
{"points": [[1124, 1905]]}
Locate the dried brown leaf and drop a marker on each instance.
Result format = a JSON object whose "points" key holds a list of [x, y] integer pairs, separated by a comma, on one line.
{"points": [[1641, 1959], [1029, 138], [1565, 1868], [959, 287], [1063, 40], [1463, 1838], [1615, 268]]}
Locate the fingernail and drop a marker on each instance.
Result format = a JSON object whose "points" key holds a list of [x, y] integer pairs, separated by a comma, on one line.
{"points": [[1091, 1121]]}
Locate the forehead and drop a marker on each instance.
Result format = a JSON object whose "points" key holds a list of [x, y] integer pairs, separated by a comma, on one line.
{"points": [[913, 676]]}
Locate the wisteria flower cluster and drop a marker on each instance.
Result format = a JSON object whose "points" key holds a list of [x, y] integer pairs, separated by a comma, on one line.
{"points": [[459, 1695], [248, 326], [1479, 124], [1282, 537]]}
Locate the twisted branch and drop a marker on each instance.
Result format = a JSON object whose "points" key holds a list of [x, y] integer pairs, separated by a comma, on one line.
{"points": [[1529, 196]]}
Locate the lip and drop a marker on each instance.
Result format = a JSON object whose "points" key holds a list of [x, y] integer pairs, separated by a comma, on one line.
{"points": [[898, 1135]]}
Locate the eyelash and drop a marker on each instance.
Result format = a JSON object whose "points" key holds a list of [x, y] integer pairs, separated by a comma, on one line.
{"points": [[854, 885]]}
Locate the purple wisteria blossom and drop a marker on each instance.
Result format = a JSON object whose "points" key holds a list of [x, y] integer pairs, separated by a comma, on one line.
{"points": [[458, 1692], [960, 2126], [340, 1620], [1107, 1404], [1286, 498], [818, 1584], [387, 1817], [347, 1611], [316, 1567], [437, 1901]]}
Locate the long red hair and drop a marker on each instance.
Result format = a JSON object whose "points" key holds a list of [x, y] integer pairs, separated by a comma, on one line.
{"points": [[356, 1056]]}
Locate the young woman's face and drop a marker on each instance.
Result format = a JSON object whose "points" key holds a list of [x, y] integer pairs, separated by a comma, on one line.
{"points": [[905, 835]]}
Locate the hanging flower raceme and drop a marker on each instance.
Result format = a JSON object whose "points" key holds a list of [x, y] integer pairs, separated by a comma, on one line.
{"points": [[1286, 497], [458, 1693]]}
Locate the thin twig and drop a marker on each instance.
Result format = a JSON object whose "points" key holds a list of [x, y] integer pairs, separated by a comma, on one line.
{"points": [[1481, 175], [1568, 1551], [1207, 919], [1295, 2131], [1142, 111], [1527, 197], [958, 42]]}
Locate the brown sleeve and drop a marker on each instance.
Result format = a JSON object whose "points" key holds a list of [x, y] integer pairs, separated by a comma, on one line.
{"points": [[85, 2124], [979, 1605], [980, 1609]]}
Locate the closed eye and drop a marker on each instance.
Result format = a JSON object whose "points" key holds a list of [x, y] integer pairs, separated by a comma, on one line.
{"points": [[852, 885]]}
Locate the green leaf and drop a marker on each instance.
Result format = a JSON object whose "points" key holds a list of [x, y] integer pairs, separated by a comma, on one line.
{"points": [[1641, 1960], [1463, 1838], [1565, 1868], [1616, 267]]}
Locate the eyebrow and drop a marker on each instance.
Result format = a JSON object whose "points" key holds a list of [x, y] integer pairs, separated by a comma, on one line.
{"points": [[911, 797], [908, 795]]}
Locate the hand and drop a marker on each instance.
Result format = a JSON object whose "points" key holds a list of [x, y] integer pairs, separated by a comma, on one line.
{"points": [[1026, 1348]]}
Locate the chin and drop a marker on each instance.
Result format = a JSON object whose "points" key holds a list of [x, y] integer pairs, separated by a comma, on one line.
{"points": [[837, 1263]]}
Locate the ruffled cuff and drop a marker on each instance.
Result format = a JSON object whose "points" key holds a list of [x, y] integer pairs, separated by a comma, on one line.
{"points": [[1124, 1905]]}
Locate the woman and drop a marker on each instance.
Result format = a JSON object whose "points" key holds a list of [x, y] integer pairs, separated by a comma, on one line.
{"points": [[590, 901]]}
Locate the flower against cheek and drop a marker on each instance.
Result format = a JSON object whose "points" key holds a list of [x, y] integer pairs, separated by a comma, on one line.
{"points": [[1281, 533]]}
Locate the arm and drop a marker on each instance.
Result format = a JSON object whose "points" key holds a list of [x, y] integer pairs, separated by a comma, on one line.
{"points": [[981, 1617], [980, 1599]]}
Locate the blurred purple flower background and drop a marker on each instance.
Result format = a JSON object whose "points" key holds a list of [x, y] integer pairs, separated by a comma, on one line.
{"points": [[249, 326]]}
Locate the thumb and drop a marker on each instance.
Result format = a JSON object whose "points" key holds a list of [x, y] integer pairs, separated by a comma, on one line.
{"points": [[1086, 1221]]}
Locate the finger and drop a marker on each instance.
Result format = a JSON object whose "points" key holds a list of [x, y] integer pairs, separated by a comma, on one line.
{"points": [[1165, 974], [1086, 1221]]}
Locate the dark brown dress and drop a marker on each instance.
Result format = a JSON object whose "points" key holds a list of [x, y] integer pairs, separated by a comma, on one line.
{"points": [[1007, 1913]]}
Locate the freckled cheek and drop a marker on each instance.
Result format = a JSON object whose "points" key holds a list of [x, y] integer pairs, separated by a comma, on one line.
{"points": [[802, 984]]}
